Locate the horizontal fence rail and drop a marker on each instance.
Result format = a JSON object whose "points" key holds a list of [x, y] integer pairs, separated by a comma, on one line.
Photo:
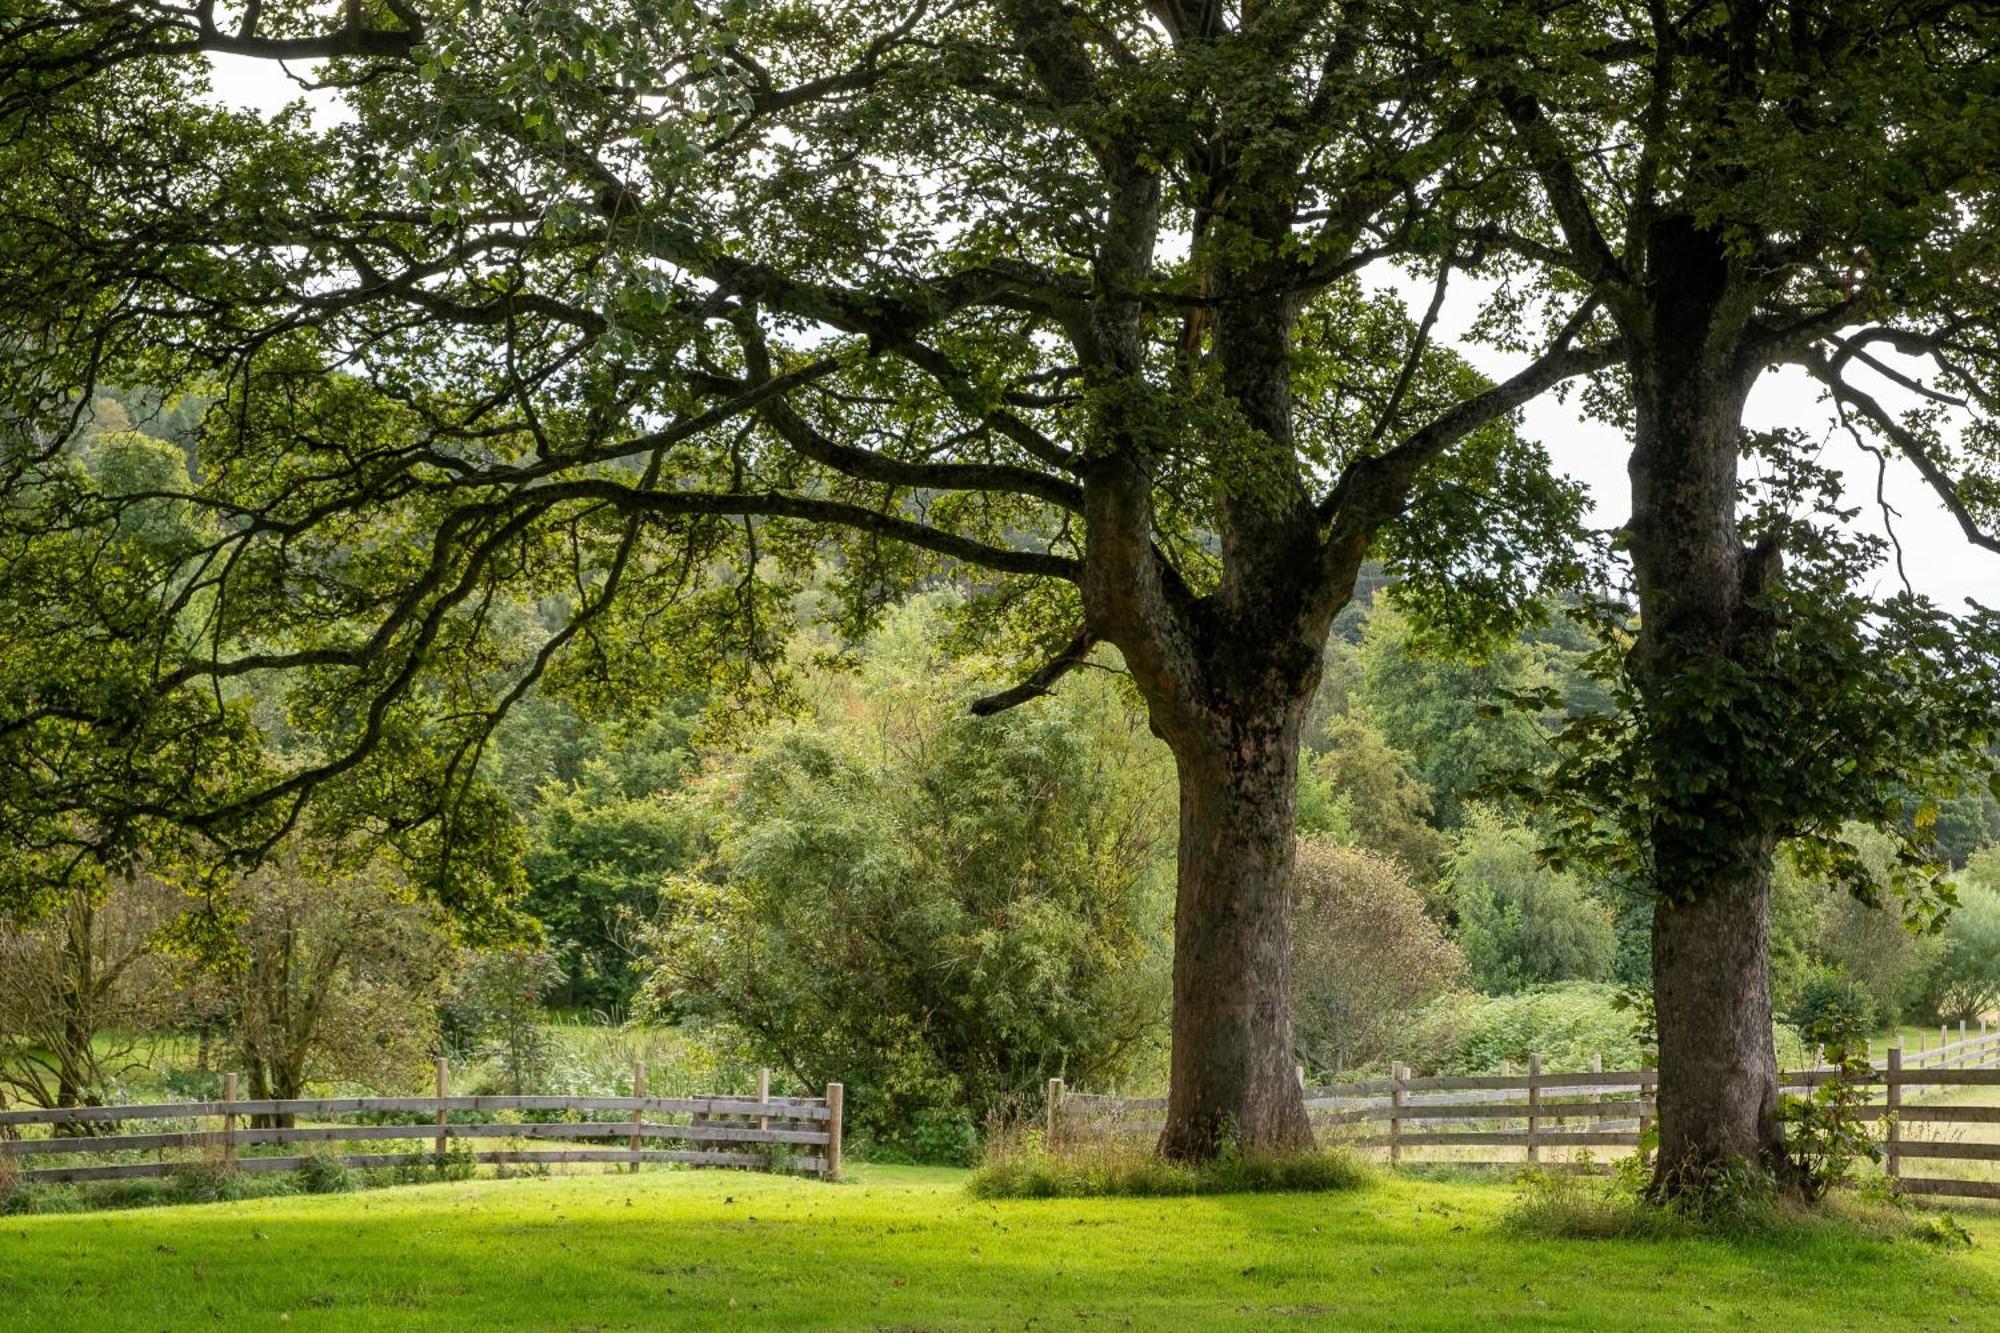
{"points": [[1549, 1119], [800, 1134]]}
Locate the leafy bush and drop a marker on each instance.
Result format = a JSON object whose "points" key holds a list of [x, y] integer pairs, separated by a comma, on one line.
{"points": [[207, 1180], [321, 1171], [940, 911], [193, 1085], [1867, 940], [1566, 1025], [1521, 923], [497, 1009], [1960, 980], [1825, 1132], [1941, 1230], [1830, 1000], [1364, 955]]}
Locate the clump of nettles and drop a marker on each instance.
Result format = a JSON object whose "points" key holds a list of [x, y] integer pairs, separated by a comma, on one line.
{"points": [[1826, 1133], [1019, 1163]]}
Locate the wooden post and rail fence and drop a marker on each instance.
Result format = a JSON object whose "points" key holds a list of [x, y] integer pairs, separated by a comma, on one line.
{"points": [[802, 1134], [1565, 1121]]}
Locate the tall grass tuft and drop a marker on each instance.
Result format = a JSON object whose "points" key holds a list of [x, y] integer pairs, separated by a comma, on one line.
{"points": [[1019, 1164]]}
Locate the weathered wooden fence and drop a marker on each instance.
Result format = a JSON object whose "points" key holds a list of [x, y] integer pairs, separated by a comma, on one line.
{"points": [[1566, 1121], [798, 1133]]}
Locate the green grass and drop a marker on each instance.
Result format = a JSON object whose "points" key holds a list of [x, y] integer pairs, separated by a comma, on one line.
{"points": [[910, 1248]]}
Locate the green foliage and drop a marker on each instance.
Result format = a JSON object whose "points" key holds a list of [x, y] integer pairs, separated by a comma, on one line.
{"points": [[331, 968], [1942, 1231], [1447, 710], [601, 848], [321, 1171], [1521, 923], [1830, 1000], [940, 911], [1960, 978], [1364, 956], [1565, 1025], [1894, 698], [1357, 789], [498, 1008], [1859, 932], [1966, 823], [1827, 1130], [1022, 1167]]}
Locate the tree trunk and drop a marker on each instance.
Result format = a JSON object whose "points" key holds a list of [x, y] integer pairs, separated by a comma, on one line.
{"points": [[1234, 1079], [1711, 859], [1718, 1090]]}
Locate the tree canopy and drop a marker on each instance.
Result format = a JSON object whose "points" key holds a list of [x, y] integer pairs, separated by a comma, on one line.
{"points": [[578, 350]]}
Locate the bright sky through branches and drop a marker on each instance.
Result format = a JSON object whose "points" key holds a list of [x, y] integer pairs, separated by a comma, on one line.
{"points": [[1939, 561]]}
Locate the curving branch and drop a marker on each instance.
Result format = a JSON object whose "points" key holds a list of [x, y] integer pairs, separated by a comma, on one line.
{"points": [[1042, 682], [1906, 441]]}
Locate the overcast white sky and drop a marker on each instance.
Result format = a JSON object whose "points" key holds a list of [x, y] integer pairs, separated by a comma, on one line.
{"points": [[1939, 560]]}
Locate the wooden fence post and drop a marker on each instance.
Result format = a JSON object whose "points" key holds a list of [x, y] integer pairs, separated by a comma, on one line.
{"points": [[229, 1122], [1597, 1097], [639, 1112], [443, 1144], [1890, 1157], [833, 1106], [1052, 1114], [1534, 1101], [1646, 1094], [1963, 1054], [763, 1093], [1398, 1096]]}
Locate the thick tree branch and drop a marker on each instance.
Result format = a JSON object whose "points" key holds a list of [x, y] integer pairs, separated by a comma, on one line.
{"points": [[1042, 681]]}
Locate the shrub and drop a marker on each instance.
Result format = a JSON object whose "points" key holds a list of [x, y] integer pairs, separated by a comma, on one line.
{"points": [[1830, 1000], [321, 1171], [206, 1180], [1825, 1132], [193, 1085], [1960, 980], [1364, 955], [496, 1009], [1566, 1025], [456, 1162], [1520, 923], [940, 911], [1943, 1231], [1869, 942], [1572, 1206]]}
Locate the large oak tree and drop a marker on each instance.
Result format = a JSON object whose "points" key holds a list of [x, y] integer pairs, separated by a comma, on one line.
{"points": [[648, 309]]}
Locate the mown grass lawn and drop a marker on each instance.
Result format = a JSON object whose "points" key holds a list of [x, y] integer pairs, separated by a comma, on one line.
{"points": [[907, 1249]]}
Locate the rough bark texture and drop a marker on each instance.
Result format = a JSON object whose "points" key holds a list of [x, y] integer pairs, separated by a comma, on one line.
{"points": [[1233, 1074], [1718, 1091], [1711, 858]]}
